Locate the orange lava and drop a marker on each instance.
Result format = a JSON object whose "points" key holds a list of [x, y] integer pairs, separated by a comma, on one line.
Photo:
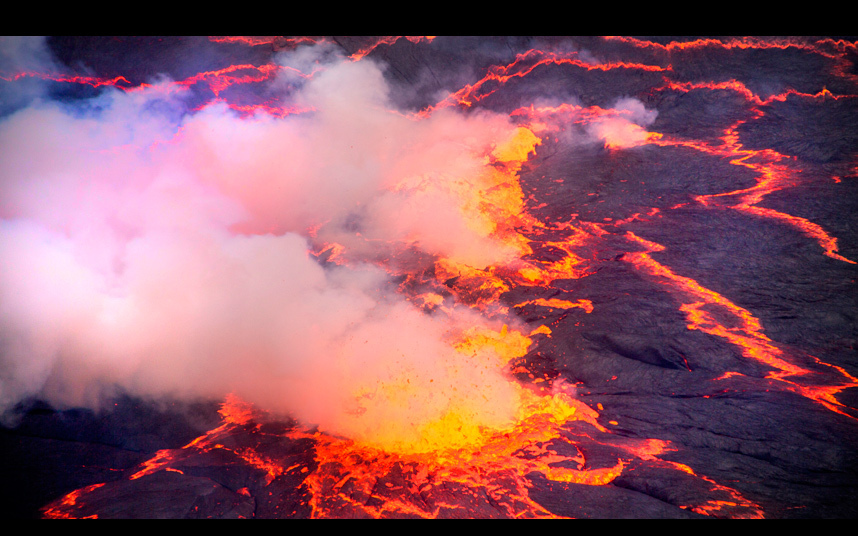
{"points": [[459, 468], [70, 79], [772, 174], [523, 65], [220, 79], [555, 303], [388, 40], [59, 510], [739, 327], [349, 474]]}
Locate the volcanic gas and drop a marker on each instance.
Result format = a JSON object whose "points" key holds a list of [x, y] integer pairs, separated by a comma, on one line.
{"points": [[433, 276]]}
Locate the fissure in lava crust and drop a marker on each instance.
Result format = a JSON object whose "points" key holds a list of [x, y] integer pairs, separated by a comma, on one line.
{"points": [[428, 277]]}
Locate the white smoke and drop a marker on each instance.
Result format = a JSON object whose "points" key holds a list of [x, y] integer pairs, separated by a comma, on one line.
{"points": [[24, 56], [167, 254], [626, 128]]}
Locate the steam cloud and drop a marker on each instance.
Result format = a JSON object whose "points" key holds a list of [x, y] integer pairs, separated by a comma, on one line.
{"points": [[166, 253]]}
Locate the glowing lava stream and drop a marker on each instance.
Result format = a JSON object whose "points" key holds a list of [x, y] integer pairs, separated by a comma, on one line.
{"points": [[523, 65], [497, 461], [747, 334], [496, 467], [771, 175], [475, 457], [823, 47], [352, 477], [235, 413]]}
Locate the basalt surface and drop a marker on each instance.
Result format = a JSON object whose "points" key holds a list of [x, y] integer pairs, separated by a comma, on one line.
{"points": [[716, 349]]}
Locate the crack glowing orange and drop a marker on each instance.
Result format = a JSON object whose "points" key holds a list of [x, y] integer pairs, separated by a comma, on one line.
{"points": [[489, 432]]}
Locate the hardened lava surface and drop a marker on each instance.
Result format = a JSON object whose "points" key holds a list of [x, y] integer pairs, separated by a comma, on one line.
{"points": [[690, 210]]}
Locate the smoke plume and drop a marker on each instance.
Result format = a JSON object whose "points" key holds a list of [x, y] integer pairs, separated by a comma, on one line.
{"points": [[164, 252]]}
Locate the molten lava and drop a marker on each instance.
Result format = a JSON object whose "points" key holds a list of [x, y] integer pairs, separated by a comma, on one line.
{"points": [[426, 249]]}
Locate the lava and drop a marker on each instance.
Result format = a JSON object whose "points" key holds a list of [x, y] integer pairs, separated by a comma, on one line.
{"points": [[460, 435], [496, 469], [119, 82], [772, 174], [525, 63]]}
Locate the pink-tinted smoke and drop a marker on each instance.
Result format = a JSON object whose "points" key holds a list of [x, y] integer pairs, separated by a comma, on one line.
{"points": [[167, 254]]}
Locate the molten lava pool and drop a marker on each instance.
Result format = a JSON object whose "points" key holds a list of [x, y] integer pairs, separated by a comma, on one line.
{"points": [[428, 277]]}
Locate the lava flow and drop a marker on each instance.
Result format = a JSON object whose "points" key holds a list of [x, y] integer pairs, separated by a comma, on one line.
{"points": [[572, 278]]}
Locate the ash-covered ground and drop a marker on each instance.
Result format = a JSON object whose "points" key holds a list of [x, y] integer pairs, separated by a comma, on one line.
{"points": [[722, 223]]}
